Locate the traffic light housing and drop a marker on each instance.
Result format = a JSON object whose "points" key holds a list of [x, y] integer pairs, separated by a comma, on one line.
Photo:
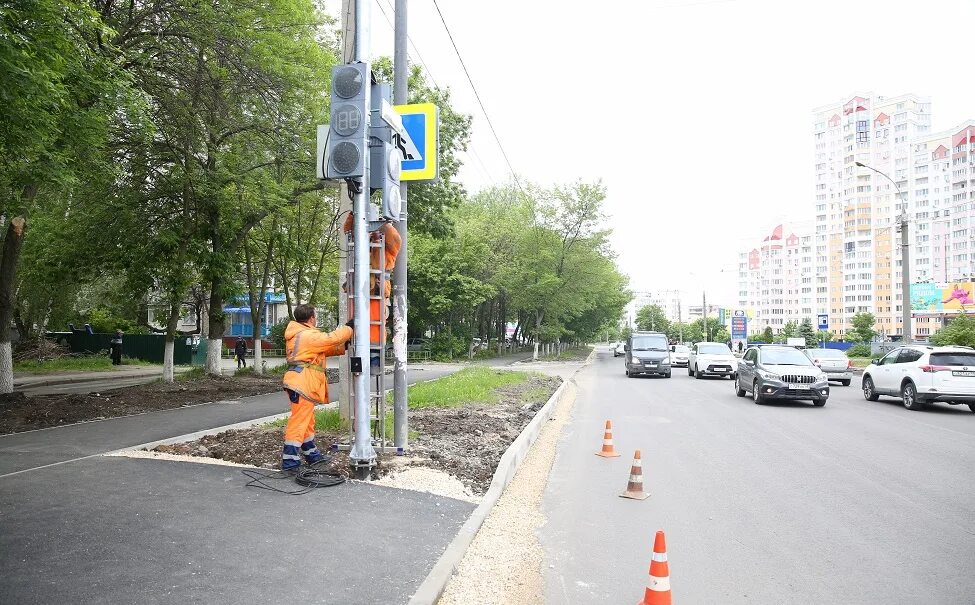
{"points": [[386, 159], [349, 121]]}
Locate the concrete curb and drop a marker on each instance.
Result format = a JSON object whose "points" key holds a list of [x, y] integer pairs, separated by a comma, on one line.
{"points": [[433, 586]]}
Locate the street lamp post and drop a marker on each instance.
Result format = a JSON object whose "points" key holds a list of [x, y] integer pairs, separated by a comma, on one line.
{"points": [[905, 259]]}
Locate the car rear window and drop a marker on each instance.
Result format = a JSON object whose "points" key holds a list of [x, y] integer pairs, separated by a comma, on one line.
{"points": [[713, 350], [953, 359], [827, 353]]}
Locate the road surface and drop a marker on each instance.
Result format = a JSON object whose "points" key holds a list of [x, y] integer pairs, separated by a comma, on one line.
{"points": [[855, 502]]}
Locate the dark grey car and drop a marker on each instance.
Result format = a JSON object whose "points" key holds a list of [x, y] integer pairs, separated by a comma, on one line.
{"points": [[780, 373], [647, 353]]}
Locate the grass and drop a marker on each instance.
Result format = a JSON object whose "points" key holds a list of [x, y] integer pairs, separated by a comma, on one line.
{"points": [[574, 354], [860, 362], [470, 385], [194, 373], [75, 364]]}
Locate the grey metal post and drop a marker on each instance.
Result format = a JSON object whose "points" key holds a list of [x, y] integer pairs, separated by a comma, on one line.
{"points": [[345, 205], [704, 313], [906, 278], [401, 73], [906, 331], [362, 456]]}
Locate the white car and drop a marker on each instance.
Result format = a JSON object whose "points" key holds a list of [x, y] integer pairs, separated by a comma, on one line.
{"points": [[711, 359], [620, 349], [920, 374], [834, 362], [679, 355]]}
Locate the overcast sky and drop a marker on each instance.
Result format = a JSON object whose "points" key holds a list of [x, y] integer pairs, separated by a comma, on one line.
{"points": [[696, 114]]}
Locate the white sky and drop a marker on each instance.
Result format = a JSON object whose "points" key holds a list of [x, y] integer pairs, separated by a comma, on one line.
{"points": [[696, 114]]}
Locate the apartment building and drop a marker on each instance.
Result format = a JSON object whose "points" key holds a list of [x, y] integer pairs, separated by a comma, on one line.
{"points": [[776, 279]]}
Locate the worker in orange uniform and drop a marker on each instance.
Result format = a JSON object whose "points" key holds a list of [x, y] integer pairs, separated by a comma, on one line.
{"points": [[393, 243], [305, 381]]}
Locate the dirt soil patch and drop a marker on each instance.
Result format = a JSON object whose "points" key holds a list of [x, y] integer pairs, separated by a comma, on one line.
{"points": [[466, 441], [20, 412]]}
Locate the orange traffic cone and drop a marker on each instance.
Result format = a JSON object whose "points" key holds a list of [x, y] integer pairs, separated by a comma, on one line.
{"points": [[608, 450], [634, 487], [658, 589]]}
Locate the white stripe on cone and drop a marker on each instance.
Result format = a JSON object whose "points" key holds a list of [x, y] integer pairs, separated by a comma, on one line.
{"points": [[659, 557], [659, 584], [636, 478]]}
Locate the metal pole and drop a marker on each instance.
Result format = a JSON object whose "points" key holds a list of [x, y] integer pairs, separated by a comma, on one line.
{"points": [[704, 314], [906, 278], [680, 320], [362, 456], [401, 71], [345, 206]]}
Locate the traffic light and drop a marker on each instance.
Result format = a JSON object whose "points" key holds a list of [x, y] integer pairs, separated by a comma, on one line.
{"points": [[348, 124], [386, 160]]}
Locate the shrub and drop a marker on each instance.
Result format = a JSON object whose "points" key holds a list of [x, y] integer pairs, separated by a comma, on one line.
{"points": [[859, 350]]}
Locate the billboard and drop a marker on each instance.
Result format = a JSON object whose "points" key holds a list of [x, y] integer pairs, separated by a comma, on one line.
{"points": [[949, 298]]}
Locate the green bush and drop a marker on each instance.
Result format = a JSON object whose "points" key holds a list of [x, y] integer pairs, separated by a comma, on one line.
{"points": [[859, 350], [277, 334]]}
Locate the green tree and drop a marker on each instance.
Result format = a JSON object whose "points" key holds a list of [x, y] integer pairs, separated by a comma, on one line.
{"points": [[862, 331], [959, 331], [767, 335], [678, 332], [652, 318], [824, 336], [789, 330], [806, 331]]}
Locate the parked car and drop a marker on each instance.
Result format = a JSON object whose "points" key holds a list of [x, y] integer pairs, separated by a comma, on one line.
{"points": [[620, 349], [417, 344], [920, 374], [647, 353], [780, 372], [679, 354], [711, 359], [834, 362]]}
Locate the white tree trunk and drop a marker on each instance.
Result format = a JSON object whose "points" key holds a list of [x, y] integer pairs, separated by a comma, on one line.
{"points": [[258, 357], [6, 368], [214, 346], [168, 361], [535, 352]]}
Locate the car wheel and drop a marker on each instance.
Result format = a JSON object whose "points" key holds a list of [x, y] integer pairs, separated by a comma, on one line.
{"points": [[697, 373], [734, 376], [909, 396], [756, 396], [819, 402], [667, 375], [690, 371], [628, 372], [869, 393], [845, 383], [738, 390]]}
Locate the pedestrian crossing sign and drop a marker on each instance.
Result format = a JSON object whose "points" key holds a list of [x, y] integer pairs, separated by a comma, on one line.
{"points": [[420, 146]]}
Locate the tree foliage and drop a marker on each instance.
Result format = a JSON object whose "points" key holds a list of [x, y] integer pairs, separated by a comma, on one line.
{"points": [[959, 331], [652, 318], [863, 330]]}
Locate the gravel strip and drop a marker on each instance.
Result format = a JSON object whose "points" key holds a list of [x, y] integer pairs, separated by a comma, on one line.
{"points": [[176, 457], [503, 563], [431, 480]]}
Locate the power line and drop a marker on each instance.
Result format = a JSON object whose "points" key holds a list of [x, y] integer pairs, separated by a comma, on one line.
{"points": [[514, 175], [416, 51]]}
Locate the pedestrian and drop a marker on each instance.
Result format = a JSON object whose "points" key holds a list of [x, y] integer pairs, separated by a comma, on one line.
{"points": [[116, 349], [305, 381], [240, 351]]}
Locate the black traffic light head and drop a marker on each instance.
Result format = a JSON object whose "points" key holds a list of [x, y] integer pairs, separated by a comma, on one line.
{"points": [[349, 123]]}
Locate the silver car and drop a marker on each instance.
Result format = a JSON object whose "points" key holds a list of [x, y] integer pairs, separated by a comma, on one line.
{"points": [[678, 355], [836, 364], [780, 373]]}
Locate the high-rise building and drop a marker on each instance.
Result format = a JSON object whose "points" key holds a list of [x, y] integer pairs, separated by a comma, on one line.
{"points": [[775, 279]]}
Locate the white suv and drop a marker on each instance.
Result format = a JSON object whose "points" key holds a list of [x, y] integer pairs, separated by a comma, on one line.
{"points": [[919, 374]]}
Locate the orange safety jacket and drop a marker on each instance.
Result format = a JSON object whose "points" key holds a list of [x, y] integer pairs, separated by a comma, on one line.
{"points": [[307, 349]]}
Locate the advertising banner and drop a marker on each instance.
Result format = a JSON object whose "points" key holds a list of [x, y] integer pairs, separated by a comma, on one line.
{"points": [[953, 297]]}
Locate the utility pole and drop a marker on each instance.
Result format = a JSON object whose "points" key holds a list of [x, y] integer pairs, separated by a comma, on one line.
{"points": [[345, 207], [362, 456], [906, 278], [704, 313], [680, 321], [401, 72]]}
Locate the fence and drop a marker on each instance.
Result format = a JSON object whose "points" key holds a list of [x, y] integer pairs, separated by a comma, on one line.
{"points": [[147, 347]]}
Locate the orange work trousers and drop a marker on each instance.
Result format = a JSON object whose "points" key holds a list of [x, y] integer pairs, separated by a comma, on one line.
{"points": [[299, 434]]}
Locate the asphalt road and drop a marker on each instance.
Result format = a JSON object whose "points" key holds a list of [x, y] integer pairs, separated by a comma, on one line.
{"points": [[855, 502]]}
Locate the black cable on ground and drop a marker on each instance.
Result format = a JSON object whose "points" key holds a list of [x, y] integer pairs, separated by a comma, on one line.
{"points": [[308, 477]]}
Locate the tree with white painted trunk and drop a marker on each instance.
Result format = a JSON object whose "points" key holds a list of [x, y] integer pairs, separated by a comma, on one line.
{"points": [[12, 241]]}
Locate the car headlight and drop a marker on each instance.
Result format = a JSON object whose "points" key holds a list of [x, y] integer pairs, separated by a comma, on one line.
{"points": [[769, 375], [822, 377]]}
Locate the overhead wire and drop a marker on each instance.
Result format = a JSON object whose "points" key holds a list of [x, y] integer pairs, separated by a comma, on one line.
{"points": [[477, 95]]}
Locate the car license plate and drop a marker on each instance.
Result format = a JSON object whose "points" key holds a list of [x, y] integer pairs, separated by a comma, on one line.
{"points": [[799, 387], [961, 373]]}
